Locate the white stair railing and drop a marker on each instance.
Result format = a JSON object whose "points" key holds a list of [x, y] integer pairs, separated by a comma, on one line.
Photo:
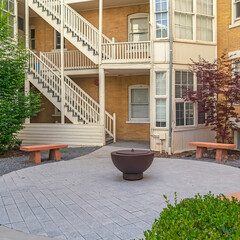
{"points": [[73, 60], [79, 26], [89, 105], [76, 100]]}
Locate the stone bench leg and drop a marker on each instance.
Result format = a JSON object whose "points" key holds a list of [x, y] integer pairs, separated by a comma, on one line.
{"points": [[35, 157], [200, 151], [54, 154], [221, 155]]}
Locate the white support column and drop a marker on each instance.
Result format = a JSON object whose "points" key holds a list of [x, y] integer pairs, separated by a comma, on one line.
{"points": [[102, 100], [62, 66], [101, 74], [16, 20], [100, 31], [27, 83]]}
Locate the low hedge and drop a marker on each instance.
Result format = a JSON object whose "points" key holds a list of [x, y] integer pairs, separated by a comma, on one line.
{"points": [[201, 217]]}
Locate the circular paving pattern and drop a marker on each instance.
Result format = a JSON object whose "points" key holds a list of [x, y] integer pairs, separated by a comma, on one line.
{"points": [[87, 198]]}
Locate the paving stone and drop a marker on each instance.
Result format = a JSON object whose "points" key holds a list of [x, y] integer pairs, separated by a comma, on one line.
{"points": [[20, 226], [4, 219], [86, 199], [13, 213]]}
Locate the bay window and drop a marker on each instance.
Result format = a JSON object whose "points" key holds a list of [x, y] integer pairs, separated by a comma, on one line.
{"points": [[161, 15], [184, 110], [139, 103], [189, 17], [161, 99], [184, 19], [205, 20]]}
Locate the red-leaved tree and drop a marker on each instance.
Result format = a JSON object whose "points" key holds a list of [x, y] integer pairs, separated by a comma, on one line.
{"points": [[217, 94]]}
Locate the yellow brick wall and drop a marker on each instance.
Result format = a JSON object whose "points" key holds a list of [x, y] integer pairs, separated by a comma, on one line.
{"points": [[116, 102], [115, 24], [228, 38]]}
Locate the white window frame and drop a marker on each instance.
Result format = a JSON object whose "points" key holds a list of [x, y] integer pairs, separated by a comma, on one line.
{"points": [[30, 38], [194, 31], [136, 16], [55, 42], [235, 21], [138, 120], [180, 100], [155, 21], [164, 96]]}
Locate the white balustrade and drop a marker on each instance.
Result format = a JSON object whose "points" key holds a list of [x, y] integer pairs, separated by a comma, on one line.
{"points": [[79, 26], [76, 99], [125, 52], [73, 60]]}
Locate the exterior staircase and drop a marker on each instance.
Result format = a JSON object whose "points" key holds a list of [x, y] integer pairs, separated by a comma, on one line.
{"points": [[80, 108], [77, 30]]}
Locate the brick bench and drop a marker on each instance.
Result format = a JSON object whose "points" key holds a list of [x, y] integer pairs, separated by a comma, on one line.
{"points": [[221, 149], [236, 195], [35, 151]]}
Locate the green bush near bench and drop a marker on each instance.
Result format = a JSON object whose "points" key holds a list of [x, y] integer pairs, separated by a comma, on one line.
{"points": [[201, 217]]}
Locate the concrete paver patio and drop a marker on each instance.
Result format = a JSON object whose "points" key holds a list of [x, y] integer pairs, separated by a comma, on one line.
{"points": [[86, 198]]}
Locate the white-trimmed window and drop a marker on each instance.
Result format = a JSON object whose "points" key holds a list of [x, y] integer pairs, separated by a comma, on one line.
{"points": [[236, 9], [190, 15], [139, 103], [32, 38], [184, 19], [161, 99], [205, 20], [161, 15], [184, 80], [138, 27], [184, 113], [57, 40], [9, 8]]}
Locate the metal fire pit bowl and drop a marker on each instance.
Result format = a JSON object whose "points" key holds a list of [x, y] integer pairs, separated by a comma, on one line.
{"points": [[132, 163]]}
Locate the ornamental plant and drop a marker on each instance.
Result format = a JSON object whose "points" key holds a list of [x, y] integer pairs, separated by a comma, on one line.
{"points": [[202, 217], [218, 94], [15, 107]]}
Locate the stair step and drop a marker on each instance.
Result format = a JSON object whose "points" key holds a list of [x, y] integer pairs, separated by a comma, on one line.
{"points": [[109, 140]]}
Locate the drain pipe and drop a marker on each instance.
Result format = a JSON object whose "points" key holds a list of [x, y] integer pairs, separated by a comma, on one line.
{"points": [[170, 78]]}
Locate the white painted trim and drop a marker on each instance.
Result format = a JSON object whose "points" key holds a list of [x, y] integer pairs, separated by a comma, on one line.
{"points": [[235, 22], [136, 16], [234, 54], [138, 86]]}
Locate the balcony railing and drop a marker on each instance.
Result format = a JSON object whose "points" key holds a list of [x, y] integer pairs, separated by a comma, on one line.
{"points": [[126, 52], [73, 60]]}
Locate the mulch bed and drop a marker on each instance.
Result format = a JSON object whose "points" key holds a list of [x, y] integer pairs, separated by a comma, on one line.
{"points": [[233, 157]]}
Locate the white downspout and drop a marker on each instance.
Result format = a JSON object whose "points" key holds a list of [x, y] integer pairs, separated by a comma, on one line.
{"points": [[170, 78], [27, 83]]}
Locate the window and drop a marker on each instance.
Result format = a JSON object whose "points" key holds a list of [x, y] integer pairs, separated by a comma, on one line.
{"points": [[187, 19], [183, 82], [20, 24], [205, 20], [139, 103], [161, 101], [184, 114], [161, 15], [237, 9], [9, 6], [237, 67], [32, 38], [138, 27], [184, 19], [184, 110], [58, 40]]}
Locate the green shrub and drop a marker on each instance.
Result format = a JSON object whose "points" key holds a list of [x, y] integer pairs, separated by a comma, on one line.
{"points": [[15, 105], [201, 217]]}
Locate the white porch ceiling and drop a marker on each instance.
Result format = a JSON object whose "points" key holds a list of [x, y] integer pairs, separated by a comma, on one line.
{"points": [[83, 5]]}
